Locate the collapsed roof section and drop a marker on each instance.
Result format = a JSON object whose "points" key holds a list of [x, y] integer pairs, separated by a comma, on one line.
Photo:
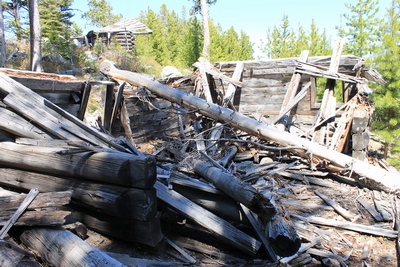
{"points": [[129, 25]]}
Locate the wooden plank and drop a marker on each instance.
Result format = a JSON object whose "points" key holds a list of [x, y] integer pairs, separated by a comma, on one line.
{"points": [[293, 85], [72, 251], [37, 218], [346, 214], [117, 104], [49, 116], [230, 93], [108, 105], [378, 231], [216, 225], [84, 101], [17, 125], [371, 210], [25, 203]]}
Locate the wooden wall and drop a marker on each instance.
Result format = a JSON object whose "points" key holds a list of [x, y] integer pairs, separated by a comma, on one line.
{"points": [[266, 83]]}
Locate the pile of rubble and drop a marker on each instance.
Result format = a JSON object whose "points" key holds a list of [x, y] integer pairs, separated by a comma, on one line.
{"points": [[241, 190]]}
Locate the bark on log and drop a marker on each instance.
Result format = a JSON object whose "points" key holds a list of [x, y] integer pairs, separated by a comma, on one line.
{"points": [[71, 250], [130, 203], [106, 166], [235, 188], [374, 177]]}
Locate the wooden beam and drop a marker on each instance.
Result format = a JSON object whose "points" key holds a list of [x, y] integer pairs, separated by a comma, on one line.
{"points": [[216, 225]]}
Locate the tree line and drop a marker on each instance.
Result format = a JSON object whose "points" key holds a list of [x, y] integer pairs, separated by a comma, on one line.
{"points": [[178, 40]]}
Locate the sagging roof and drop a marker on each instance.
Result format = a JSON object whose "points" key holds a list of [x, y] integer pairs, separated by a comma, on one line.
{"points": [[131, 25]]}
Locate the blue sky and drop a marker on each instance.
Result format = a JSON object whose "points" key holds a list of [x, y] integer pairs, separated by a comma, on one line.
{"points": [[254, 17]]}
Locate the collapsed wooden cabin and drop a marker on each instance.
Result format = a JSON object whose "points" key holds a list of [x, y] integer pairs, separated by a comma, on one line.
{"points": [[240, 156]]}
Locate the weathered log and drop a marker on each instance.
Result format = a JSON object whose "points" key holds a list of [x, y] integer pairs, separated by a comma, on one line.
{"points": [[216, 225], [37, 218], [219, 204], [42, 200], [118, 201], [144, 232], [374, 177], [283, 236], [238, 190], [71, 250], [106, 166]]}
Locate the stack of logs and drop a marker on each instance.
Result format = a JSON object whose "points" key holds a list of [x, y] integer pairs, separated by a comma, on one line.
{"points": [[111, 183]]}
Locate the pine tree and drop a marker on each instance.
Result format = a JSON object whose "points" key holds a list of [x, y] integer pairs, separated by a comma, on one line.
{"points": [[281, 41], [16, 17], [55, 20], [386, 120], [363, 28], [100, 13]]}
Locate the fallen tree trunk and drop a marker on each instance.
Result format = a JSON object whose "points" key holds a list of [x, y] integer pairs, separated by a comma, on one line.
{"points": [[373, 177], [71, 250], [106, 166]]}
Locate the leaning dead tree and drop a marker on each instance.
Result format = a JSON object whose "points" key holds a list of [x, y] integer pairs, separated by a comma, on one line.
{"points": [[370, 175]]}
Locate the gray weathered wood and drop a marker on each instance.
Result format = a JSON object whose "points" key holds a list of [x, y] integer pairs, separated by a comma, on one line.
{"points": [[50, 117], [345, 213], [37, 218], [118, 201], [375, 177], [25, 203], [15, 124], [216, 225], [378, 231], [71, 250], [42, 200], [230, 92], [107, 166]]}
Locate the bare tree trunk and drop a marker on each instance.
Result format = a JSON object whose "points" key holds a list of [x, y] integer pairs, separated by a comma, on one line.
{"points": [[35, 35], [3, 39], [206, 30]]}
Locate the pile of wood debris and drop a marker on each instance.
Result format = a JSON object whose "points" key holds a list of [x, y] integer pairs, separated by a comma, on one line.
{"points": [[241, 192]]}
